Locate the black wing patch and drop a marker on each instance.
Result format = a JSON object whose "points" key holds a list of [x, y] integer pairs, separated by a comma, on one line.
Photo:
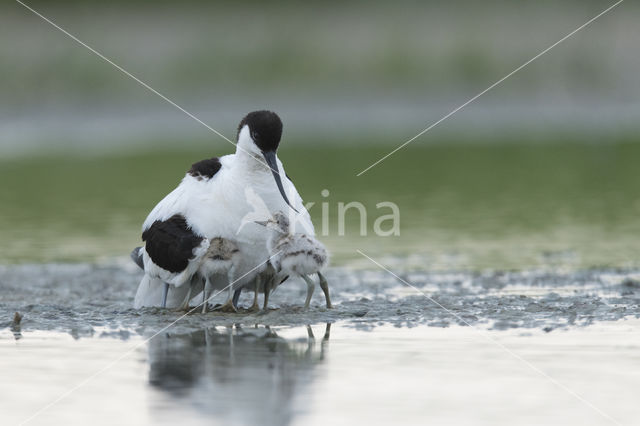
{"points": [[170, 243], [205, 169]]}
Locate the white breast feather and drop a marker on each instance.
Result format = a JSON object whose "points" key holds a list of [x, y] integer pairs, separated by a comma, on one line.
{"points": [[215, 208]]}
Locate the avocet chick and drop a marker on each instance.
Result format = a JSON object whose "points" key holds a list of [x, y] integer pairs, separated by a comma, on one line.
{"points": [[218, 271], [296, 254]]}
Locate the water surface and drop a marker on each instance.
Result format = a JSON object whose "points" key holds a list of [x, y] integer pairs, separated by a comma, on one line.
{"points": [[463, 206], [320, 374]]}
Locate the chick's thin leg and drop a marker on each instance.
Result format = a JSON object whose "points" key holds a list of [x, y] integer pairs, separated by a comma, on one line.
{"points": [[310, 287], [255, 307], [228, 306], [325, 289]]}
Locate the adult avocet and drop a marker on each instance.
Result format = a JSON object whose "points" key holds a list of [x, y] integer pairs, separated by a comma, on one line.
{"points": [[211, 202]]}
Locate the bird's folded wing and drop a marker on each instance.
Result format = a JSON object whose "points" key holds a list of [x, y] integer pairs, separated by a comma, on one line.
{"points": [[173, 250]]}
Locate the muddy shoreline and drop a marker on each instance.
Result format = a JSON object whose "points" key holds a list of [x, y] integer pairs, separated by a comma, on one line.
{"points": [[83, 298]]}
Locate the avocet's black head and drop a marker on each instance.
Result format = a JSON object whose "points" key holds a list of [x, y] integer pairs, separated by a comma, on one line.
{"points": [[260, 131], [265, 129]]}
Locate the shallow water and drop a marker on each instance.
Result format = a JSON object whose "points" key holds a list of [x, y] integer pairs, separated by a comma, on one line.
{"points": [[280, 375], [529, 347]]}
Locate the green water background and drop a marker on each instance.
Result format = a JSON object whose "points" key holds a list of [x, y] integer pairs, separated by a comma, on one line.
{"points": [[506, 205]]}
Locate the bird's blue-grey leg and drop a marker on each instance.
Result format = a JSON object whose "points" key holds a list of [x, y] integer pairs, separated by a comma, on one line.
{"points": [[236, 297], [267, 289], [205, 296], [256, 287], [185, 303], [325, 289], [228, 305], [230, 293], [164, 295], [310, 287]]}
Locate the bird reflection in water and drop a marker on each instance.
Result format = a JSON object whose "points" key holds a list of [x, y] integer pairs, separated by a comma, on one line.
{"points": [[236, 374]]}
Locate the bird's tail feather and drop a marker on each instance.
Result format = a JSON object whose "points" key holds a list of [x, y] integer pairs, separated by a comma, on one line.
{"points": [[150, 293]]}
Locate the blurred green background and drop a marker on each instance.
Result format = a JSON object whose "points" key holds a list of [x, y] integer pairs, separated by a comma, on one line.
{"points": [[541, 171]]}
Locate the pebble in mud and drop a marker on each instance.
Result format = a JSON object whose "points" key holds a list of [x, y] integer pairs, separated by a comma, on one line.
{"points": [[630, 283], [17, 319], [16, 329]]}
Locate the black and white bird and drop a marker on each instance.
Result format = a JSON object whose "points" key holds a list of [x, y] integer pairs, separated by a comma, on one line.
{"points": [[295, 254], [211, 201], [215, 271]]}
